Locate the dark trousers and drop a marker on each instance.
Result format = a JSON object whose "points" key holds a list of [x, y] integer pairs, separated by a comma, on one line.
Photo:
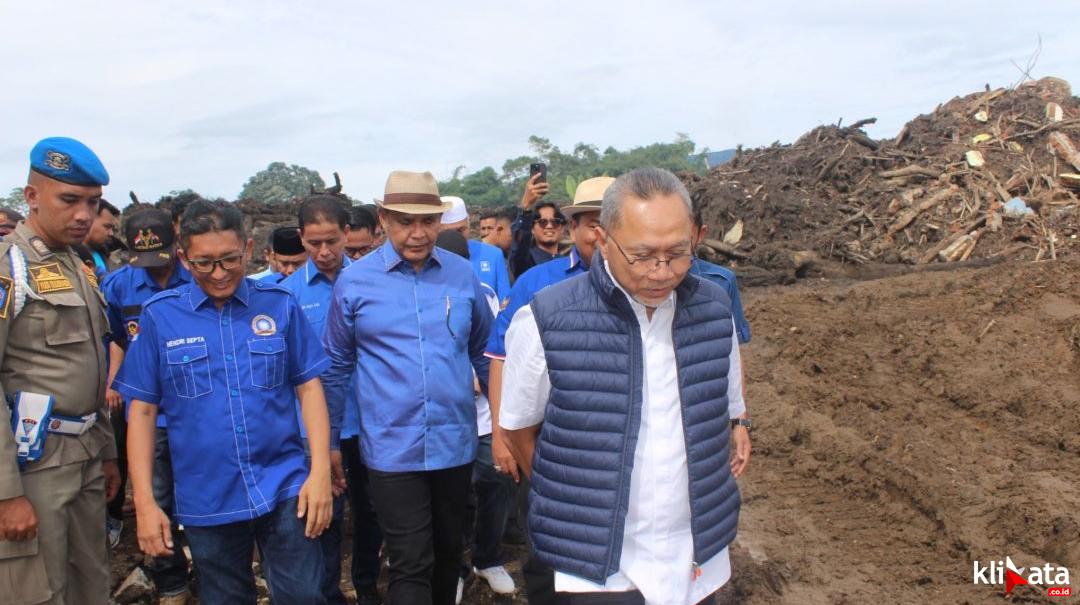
{"points": [[367, 537], [169, 574], [330, 541], [290, 561], [421, 515], [115, 507], [486, 518]]}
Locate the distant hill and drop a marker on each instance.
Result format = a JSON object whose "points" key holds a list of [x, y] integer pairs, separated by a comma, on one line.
{"points": [[713, 159]]}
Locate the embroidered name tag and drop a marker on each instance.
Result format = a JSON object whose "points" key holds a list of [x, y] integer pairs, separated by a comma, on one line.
{"points": [[49, 278]]}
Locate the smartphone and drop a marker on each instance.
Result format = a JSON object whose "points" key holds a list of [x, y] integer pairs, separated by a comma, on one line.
{"points": [[538, 168]]}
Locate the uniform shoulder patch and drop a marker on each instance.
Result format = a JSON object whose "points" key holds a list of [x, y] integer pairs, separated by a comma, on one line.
{"points": [[49, 278], [163, 295], [5, 296], [91, 276]]}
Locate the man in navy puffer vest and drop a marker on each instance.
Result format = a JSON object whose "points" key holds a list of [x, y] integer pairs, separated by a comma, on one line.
{"points": [[623, 388]]}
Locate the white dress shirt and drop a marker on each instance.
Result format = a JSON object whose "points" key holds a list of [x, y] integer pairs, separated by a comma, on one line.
{"points": [[657, 549]]}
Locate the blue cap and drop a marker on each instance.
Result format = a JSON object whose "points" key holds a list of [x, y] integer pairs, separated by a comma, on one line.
{"points": [[68, 161]]}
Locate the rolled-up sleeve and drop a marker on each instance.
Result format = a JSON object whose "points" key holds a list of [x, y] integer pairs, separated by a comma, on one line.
{"points": [[526, 385], [736, 403]]}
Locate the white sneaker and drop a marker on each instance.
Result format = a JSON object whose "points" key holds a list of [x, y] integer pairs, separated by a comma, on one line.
{"points": [[460, 590], [498, 579]]}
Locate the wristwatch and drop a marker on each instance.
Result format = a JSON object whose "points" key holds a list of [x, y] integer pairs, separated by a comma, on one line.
{"points": [[742, 422]]}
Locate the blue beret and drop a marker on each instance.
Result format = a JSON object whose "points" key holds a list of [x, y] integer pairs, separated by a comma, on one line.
{"points": [[68, 161]]}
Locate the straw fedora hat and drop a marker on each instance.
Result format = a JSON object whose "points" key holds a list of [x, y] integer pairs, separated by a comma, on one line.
{"points": [[412, 193], [588, 196]]}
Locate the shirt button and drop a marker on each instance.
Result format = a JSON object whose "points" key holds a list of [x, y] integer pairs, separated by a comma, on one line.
{"points": [[186, 358], [228, 356], [234, 393], [224, 322], [239, 429], [268, 348]]}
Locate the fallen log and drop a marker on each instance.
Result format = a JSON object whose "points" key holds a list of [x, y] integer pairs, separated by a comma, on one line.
{"points": [[728, 250], [913, 170], [909, 215]]}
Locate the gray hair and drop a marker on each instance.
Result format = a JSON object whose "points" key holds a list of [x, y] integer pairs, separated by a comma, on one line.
{"points": [[645, 184]]}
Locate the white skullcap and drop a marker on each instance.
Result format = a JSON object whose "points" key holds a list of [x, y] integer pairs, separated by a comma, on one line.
{"points": [[457, 211]]}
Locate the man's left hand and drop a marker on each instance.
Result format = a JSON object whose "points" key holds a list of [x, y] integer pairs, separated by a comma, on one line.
{"points": [[740, 450], [337, 473], [112, 478]]}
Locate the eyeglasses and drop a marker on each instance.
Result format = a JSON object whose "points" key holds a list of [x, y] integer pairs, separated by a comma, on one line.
{"points": [[548, 223], [648, 264], [206, 265], [357, 252]]}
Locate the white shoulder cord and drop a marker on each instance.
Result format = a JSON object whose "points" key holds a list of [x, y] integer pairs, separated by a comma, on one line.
{"points": [[22, 289]]}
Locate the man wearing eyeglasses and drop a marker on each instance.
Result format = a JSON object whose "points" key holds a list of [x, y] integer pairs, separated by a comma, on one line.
{"points": [[627, 380], [222, 358], [8, 220], [537, 230]]}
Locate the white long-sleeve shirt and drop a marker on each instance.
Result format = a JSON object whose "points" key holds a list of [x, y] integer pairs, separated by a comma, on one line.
{"points": [[657, 549]]}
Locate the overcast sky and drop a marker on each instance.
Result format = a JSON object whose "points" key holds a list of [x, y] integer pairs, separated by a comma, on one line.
{"points": [[196, 94]]}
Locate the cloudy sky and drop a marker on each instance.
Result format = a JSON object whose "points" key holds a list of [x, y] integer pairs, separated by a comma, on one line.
{"points": [[204, 94]]}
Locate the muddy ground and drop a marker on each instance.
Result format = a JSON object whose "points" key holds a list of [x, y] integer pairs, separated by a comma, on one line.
{"points": [[904, 427]]}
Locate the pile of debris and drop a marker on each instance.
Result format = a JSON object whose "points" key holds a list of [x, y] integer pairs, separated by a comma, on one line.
{"points": [[992, 175]]}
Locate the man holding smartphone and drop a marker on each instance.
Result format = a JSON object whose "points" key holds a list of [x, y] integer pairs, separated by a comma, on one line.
{"points": [[538, 227]]}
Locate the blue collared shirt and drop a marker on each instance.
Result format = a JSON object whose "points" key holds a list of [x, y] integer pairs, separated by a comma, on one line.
{"points": [[225, 378], [526, 286], [490, 266], [313, 291], [725, 278], [126, 290], [410, 338]]}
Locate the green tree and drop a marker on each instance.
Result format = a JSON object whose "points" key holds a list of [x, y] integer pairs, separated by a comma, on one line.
{"points": [[566, 170], [281, 182], [15, 201]]}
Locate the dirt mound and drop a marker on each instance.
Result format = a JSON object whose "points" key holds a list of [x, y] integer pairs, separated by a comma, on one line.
{"points": [[935, 193], [907, 427]]}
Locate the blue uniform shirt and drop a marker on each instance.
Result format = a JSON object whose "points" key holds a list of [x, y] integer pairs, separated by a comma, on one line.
{"points": [[410, 338], [725, 278], [526, 286], [313, 291], [224, 378], [126, 290], [490, 266]]}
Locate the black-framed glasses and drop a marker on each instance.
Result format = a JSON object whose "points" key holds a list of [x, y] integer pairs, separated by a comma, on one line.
{"points": [[355, 253], [650, 263], [548, 223], [206, 265]]}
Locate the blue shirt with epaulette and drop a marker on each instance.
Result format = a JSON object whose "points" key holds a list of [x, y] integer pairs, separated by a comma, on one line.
{"points": [[126, 290], [725, 278], [224, 379], [526, 286]]}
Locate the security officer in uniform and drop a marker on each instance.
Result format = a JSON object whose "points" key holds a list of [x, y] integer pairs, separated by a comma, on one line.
{"points": [[52, 334]]}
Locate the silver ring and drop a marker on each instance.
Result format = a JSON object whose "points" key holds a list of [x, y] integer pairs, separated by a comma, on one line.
{"points": [[498, 468]]}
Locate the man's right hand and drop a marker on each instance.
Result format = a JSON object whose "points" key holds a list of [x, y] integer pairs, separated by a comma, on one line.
{"points": [[114, 399], [533, 191], [504, 460], [154, 531], [18, 521]]}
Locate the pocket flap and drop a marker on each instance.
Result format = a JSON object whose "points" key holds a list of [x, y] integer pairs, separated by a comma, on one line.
{"points": [[186, 354], [266, 346], [10, 549]]}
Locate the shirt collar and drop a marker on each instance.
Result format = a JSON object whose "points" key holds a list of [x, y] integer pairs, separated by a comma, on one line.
{"points": [[393, 260], [179, 277], [312, 273], [575, 260], [198, 297]]}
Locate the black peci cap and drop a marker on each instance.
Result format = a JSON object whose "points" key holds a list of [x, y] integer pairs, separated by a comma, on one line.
{"points": [[150, 236], [286, 241]]}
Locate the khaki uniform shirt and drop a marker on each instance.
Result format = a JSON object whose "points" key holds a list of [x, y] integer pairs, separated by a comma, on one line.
{"points": [[55, 346]]}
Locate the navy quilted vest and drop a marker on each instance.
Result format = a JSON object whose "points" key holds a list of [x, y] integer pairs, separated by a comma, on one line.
{"points": [[585, 451]]}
